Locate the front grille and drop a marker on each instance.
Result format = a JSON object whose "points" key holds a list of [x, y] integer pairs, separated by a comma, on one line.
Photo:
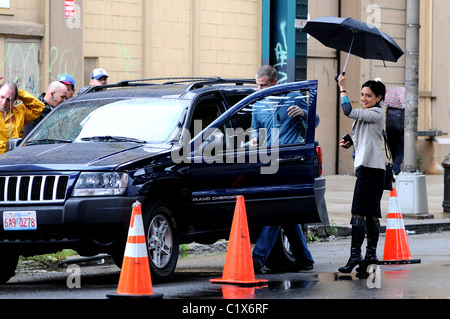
{"points": [[33, 188]]}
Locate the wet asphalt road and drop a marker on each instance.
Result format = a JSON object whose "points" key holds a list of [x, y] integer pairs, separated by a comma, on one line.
{"points": [[424, 280]]}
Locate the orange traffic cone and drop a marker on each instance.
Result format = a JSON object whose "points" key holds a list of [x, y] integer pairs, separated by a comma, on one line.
{"points": [[238, 267], [135, 279], [396, 248]]}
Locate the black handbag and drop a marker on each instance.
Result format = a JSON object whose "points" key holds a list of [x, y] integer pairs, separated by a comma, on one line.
{"points": [[389, 177]]}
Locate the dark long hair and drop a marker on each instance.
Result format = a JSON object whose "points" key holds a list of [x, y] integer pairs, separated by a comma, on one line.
{"points": [[377, 87]]}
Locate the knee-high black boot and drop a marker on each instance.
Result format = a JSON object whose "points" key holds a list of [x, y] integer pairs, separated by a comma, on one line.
{"points": [[373, 233], [358, 234]]}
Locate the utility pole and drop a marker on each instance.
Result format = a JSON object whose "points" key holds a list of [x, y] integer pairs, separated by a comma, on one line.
{"points": [[411, 184], [411, 84]]}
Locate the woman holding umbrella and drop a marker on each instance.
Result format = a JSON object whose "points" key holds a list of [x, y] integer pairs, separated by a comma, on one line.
{"points": [[369, 168]]}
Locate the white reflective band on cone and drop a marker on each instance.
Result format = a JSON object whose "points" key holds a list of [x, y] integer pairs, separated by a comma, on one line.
{"points": [[138, 227], [395, 223], [136, 250]]}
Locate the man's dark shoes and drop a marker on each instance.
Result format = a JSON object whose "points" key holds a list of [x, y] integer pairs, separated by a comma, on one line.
{"points": [[259, 269], [298, 266]]}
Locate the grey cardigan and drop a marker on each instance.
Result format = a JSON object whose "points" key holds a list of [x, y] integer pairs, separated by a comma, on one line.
{"points": [[367, 136]]}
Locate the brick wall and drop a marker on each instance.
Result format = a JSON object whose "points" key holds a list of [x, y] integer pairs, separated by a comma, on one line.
{"points": [[169, 38]]}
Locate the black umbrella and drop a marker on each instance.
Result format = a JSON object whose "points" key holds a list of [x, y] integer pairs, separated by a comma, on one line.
{"points": [[352, 36]]}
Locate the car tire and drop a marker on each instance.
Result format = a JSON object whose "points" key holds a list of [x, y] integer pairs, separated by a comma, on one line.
{"points": [[162, 240], [280, 256], [8, 265]]}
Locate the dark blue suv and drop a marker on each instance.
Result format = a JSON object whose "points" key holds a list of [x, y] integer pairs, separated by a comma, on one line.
{"points": [[179, 147]]}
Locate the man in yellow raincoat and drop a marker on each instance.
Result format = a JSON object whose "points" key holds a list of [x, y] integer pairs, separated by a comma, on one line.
{"points": [[13, 118]]}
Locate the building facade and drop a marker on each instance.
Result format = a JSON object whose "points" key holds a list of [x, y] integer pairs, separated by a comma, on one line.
{"points": [[137, 39]]}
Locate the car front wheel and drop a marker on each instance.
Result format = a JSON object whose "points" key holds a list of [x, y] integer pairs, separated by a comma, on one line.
{"points": [[162, 240], [8, 265]]}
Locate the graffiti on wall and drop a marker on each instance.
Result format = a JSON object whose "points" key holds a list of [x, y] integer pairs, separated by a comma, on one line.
{"points": [[62, 62], [281, 50], [22, 64], [124, 57]]}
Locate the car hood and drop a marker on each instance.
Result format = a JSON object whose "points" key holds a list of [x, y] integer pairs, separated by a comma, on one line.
{"points": [[76, 156]]}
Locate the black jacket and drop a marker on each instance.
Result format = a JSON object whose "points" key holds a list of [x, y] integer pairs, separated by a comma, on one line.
{"points": [[47, 110]]}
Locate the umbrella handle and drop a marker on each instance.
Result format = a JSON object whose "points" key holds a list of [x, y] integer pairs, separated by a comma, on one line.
{"points": [[346, 61], [337, 75]]}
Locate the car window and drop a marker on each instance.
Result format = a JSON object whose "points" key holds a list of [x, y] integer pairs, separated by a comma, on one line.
{"points": [[267, 122], [205, 112], [146, 119]]}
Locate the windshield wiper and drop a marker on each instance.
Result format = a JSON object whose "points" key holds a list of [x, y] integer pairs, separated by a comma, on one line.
{"points": [[108, 138], [48, 141]]}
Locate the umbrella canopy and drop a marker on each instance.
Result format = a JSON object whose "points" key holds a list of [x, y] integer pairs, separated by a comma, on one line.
{"points": [[352, 36]]}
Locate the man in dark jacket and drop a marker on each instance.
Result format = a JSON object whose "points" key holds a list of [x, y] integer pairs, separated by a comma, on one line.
{"points": [[55, 95]]}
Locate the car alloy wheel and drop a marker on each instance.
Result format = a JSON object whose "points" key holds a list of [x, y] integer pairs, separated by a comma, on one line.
{"points": [[160, 242]]}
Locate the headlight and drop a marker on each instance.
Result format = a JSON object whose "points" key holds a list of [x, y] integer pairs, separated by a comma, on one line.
{"points": [[101, 184]]}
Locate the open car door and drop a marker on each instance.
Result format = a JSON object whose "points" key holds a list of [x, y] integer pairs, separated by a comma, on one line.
{"points": [[276, 175]]}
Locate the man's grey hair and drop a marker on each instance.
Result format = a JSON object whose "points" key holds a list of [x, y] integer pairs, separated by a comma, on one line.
{"points": [[269, 71], [13, 87]]}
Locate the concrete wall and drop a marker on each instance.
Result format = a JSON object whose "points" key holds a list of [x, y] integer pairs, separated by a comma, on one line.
{"points": [[21, 33], [173, 38], [63, 53], [435, 83], [323, 65]]}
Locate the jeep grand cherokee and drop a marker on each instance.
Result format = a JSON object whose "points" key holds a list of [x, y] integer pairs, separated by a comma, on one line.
{"points": [[179, 147]]}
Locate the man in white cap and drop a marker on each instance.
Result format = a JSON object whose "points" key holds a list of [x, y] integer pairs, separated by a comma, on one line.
{"points": [[99, 76]]}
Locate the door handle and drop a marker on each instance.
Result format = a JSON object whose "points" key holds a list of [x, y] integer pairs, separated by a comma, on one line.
{"points": [[299, 159]]}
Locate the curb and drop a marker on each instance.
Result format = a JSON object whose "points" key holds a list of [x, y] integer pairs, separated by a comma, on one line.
{"points": [[425, 228], [324, 231], [343, 231]]}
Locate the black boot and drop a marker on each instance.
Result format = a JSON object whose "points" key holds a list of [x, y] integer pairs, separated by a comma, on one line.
{"points": [[373, 233], [358, 234]]}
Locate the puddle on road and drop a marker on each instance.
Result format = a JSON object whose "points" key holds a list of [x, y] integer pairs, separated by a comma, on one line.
{"points": [[385, 281], [232, 291]]}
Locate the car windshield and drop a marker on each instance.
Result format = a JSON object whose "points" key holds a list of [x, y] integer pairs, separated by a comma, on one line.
{"points": [[139, 120]]}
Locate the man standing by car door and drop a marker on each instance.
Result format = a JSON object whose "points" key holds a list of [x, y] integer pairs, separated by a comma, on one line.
{"points": [[267, 76]]}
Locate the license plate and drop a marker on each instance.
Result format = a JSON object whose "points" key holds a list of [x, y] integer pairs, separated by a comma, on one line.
{"points": [[25, 220]]}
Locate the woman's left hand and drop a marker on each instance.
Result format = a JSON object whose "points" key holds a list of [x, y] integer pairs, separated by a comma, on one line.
{"points": [[345, 144], [341, 82]]}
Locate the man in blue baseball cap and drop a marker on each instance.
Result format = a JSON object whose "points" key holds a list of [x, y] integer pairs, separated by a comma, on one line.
{"points": [[99, 76], [69, 82]]}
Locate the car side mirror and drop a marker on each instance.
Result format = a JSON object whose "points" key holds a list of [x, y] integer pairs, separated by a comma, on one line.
{"points": [[13, 143]]}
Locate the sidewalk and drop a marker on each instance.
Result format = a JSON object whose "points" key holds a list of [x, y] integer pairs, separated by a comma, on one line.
{"points": [[339, 194]]}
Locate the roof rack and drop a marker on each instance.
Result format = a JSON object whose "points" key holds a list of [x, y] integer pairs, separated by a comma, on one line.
{"points": [[196, 82], [218, 80]]}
